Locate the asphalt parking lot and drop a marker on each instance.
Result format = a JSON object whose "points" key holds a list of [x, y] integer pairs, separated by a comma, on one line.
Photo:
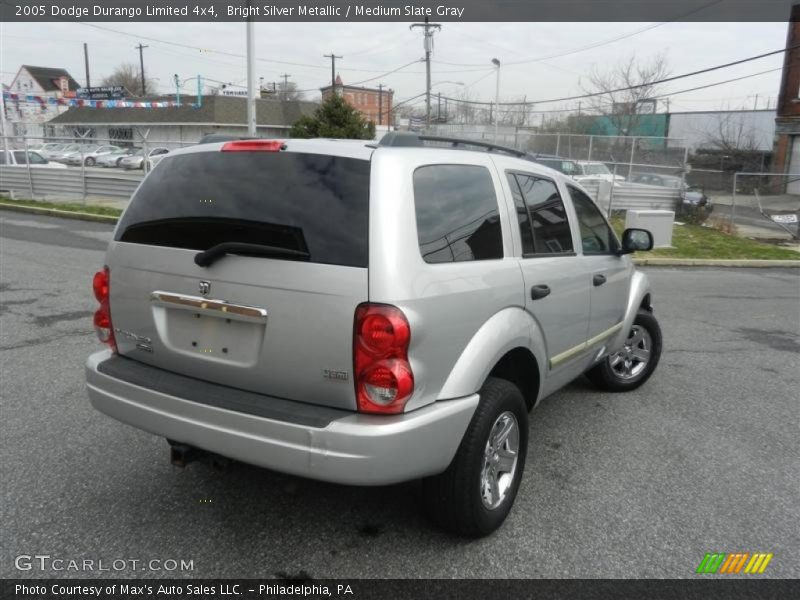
{"points": [[703, 458]]}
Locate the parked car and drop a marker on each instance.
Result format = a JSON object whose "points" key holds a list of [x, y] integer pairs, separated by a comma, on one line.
{"points": [[62, 154], [88, 155], [594, 170], [19, 158], [136, 160], [691, 196], [50, 149], [113, 159], [365, 314], [563, 165]]}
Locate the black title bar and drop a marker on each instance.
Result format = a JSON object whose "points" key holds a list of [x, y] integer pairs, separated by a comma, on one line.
{"points": [[390, 10]]}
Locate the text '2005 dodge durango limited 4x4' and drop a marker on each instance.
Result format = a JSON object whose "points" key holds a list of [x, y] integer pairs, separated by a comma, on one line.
{"points": [[365, 314]]}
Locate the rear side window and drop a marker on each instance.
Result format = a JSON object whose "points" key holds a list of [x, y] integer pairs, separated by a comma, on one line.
{"points": [[547, 216], [312, 203], [457, 219]]}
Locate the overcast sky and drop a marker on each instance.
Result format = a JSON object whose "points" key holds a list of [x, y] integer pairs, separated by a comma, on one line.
{"points": [[373, 49]]}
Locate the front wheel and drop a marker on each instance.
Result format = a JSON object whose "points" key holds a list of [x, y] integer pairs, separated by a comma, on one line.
{"points": [[475, 494], [90, 162], [632, 365]]}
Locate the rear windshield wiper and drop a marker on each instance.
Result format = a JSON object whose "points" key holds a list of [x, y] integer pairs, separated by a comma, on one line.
{"points": [[208, 257]]}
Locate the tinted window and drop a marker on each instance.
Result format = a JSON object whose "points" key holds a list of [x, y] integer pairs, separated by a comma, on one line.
{"points": [[525, 229], [312, 203], [596, 235], [457, 216], [548, 218]]}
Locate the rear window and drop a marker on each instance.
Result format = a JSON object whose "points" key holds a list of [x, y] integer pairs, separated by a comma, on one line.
{"points": [[312, 203]]}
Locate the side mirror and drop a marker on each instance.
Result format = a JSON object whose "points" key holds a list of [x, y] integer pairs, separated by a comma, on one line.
{"points": [[636, 239]]}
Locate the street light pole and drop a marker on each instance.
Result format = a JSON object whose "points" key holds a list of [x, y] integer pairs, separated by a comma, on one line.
{"points": [[251, 76], [496, 63]]}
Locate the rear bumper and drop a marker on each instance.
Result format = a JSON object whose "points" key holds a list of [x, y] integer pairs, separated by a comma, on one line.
{"points": [[356, 449]]}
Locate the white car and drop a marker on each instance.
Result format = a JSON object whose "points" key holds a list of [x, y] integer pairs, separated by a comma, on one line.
{"points": [[17, 158], [114, 158], [62, 154], [51, 149], [88, 155], [136, 160], [594, 170]]}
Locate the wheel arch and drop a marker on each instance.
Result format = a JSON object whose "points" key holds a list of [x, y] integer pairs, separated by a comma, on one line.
{"points": [[509, 345]]}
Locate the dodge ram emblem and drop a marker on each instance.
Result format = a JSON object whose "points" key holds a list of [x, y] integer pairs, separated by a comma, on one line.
{"points": [[205, 287]]}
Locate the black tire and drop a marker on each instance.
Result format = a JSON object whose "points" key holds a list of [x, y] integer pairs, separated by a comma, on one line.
{"points": [[605, 377], [90, 162], [119, 160], [454, 500]]}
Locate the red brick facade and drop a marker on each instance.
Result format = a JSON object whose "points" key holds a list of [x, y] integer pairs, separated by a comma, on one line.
{"points": [[373, 104], [787, 122]]}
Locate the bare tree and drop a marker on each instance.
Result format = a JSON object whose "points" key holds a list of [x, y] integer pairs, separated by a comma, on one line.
{"points": [[128, 76], [289, 92], [624, 89], [731, 134]]}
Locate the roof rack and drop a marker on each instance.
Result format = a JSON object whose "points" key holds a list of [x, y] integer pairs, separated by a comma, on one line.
{"points": [[414, 140]]}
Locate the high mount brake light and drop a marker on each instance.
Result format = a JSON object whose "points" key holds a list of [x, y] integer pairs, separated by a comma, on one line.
{"points": [[383, 378], [253, 146], [101, 285]]}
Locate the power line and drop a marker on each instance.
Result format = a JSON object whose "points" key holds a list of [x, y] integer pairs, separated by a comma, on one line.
{"points": [[651, 83]]}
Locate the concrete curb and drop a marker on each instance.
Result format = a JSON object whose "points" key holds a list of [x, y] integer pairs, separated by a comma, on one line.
{"points": [[54, 212], [712, 262], [642, 262]]}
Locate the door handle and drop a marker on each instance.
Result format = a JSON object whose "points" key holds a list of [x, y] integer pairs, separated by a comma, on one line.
{"points": [[598, 280], [539, 291]]}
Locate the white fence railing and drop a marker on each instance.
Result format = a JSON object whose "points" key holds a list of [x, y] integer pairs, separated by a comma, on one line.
{"points": [[61, 184]]}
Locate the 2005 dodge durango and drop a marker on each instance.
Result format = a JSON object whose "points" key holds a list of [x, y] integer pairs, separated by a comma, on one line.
{"points": [[365, 313]]}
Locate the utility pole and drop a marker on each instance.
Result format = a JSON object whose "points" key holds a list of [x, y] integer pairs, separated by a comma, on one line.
{"points": [[439, 109], [380, 104], [141, 66], [177, 89], [496, 63], [429, 29], [755, 104], [333, 58], [251, 75], [86, 62], [285, 85]]}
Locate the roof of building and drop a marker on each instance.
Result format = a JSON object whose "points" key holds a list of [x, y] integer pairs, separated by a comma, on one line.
{"points": [[340, 84], [216, 110], [47, 77]]}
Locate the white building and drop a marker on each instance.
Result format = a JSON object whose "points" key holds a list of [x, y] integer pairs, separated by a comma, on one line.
{"points": [[25, 113]]}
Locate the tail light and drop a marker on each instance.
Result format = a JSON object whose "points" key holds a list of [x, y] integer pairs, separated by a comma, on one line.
{"points": [[383, 377], [253, 146], [101, 284]]}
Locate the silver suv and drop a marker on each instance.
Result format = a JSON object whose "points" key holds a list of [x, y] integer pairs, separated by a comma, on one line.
{"points": [[365, 314]]}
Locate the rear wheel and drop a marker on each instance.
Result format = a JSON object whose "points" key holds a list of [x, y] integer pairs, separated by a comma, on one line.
{"points": [[475, 494], [637, 360]]}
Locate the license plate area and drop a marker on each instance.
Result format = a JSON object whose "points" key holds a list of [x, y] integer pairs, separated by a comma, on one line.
{"points": [[210, 330]]}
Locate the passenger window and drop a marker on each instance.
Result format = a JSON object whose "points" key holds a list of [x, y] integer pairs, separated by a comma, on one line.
{"points": [[457, 217], [596, 235], [547, 216], [525, 230]]}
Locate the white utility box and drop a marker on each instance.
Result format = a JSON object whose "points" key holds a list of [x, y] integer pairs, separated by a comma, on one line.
{"points": [[657, 222]]}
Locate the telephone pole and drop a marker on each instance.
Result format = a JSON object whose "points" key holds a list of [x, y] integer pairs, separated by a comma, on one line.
{"points": [[285, 86], [429, 29], [333, 58], [380, 104], [141, 66], [86, 62]]}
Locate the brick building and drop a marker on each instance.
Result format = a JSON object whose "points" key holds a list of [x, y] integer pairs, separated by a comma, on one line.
{"points": [[374, 104], [787, 121]]}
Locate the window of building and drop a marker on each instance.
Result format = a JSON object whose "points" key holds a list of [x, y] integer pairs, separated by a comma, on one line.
{"points": [[546, 216], [596, 235], [457, 218]]}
